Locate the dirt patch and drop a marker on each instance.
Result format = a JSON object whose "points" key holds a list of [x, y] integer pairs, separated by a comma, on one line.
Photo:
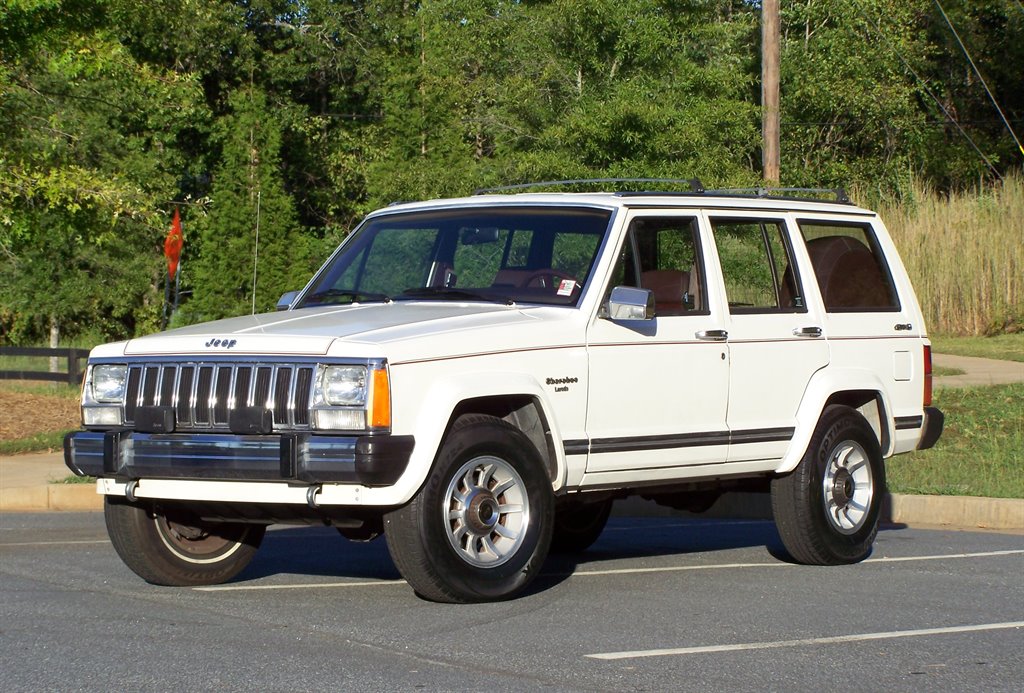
{"points": [[24, 414]]}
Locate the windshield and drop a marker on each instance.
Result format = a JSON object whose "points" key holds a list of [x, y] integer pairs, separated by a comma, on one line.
{"points": [[500, 254]]}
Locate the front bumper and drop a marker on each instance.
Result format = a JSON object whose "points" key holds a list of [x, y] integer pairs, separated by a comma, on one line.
{"points": [[371, 461]]}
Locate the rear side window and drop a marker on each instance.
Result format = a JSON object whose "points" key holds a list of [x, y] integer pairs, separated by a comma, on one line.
{"points": [[849, 267], [757, 266]]}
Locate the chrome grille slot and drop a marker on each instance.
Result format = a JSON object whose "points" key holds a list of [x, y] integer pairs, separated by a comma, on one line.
{"points": [[168, 383], [261, 396], [150, 379], [243, 376], [222, 394], [183, 407], [282, 384], [132, 397], [303, 387], [204, 394]]}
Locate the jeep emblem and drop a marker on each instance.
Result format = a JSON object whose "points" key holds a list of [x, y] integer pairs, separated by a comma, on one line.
{"points": [[223, 343]]}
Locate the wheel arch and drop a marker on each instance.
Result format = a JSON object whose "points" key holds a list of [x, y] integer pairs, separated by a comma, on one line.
{"points": [[526, 413], [858, 389], [512, 397]]}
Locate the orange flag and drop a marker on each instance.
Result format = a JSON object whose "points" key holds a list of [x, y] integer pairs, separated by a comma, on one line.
{"points": [[173, 244]]}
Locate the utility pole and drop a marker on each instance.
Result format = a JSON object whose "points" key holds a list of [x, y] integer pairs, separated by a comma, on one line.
{"points": [[770, 90]]}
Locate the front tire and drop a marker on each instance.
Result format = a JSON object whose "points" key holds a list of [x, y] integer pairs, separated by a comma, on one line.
{"points": [[172, 547], [480, 528], [827, 509]]}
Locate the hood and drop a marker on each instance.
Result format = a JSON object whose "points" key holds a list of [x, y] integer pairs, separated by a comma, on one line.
{"points": [[313, 331]]}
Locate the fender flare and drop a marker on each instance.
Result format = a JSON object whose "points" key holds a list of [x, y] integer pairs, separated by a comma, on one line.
{"points": [[823, 385], [439, 402]]}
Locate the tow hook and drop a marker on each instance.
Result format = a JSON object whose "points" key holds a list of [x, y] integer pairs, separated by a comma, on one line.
{"points": [[311, 494]]}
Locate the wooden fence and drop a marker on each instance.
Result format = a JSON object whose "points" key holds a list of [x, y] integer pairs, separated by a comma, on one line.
{"points": [[75, 359]]}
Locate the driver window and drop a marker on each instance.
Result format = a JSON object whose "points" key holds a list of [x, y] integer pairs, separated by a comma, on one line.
{"points": [[663, 255]]}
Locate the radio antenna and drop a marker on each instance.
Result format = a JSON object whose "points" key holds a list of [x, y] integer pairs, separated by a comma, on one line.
{"points": [[256, 255]]}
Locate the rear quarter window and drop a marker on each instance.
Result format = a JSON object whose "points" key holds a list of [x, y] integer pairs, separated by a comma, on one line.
{"points": [[849, 267]]}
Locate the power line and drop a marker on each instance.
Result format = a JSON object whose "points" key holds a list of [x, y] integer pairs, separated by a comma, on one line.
{"points": [[978, 72], [924, 86]]}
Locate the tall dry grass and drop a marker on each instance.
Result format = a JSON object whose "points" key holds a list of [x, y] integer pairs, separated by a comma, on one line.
{"points": [[965, 255]]}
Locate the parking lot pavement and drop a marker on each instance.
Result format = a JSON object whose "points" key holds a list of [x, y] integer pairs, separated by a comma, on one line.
{"points": [[658, 603]]}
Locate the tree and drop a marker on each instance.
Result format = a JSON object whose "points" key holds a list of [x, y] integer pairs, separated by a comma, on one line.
{"points": [[247, 190], [87, 160]]}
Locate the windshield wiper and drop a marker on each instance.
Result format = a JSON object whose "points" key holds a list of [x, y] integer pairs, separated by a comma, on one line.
{"points": [[449, 294], [339, 296]]}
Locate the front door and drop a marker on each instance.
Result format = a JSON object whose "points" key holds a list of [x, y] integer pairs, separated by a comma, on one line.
{"points": [[659, 388]]}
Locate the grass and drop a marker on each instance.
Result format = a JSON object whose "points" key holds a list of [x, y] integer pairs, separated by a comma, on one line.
{"points": [[980, 453], [40, 442], [1009, 347], [33, 387], [965, 255], [74, 479]]}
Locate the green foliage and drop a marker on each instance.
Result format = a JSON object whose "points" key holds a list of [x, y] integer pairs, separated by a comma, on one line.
{"points": [[248, 198], [110, 116], [980, 453], [1008, 347]]}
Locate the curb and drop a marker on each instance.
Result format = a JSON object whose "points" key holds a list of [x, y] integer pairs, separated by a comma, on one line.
{"points": [[950, 512], [959, 512], [76, 497]]}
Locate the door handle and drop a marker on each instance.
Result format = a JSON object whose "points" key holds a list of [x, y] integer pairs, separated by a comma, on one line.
{"points": [[713, 335], [811, 332]]}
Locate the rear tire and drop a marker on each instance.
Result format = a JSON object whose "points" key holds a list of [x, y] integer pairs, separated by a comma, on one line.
{"points": [[480, 528], [578, 525], [175, 548], [827, 509]]}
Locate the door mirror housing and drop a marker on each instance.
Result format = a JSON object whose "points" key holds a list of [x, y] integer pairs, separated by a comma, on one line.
{"points": [[630, 303], [286, 300]]}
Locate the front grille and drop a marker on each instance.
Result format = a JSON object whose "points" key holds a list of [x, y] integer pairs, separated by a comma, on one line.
{"points": [[203, 394]]}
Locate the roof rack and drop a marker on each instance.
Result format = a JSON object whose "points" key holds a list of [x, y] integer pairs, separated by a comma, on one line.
{"points": [[840, 193], [694, 183], [695, 188]]}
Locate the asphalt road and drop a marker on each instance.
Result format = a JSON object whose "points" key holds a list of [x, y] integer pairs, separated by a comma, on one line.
{"points": [[657, 604]]}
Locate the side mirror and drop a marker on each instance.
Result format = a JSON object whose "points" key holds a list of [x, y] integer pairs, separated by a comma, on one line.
{"points": [[629, 303], [286, 300]]}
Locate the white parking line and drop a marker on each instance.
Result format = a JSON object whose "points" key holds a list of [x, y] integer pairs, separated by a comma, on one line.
{"points": [[241, 588], [779, 564], [610, 571], [862, 637]]}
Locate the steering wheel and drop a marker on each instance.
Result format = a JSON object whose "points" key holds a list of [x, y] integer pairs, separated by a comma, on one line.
{"points": [[547, 278]]}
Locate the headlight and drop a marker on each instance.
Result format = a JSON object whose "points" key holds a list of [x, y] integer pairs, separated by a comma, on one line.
{"points": [[108, 383], [343, 386], [351, 398]]}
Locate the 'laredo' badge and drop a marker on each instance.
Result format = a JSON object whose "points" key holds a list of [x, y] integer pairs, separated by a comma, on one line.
{"points": [[222, 343]]}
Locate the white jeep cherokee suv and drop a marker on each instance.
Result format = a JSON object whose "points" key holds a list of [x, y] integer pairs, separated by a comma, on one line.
{"points": [[478, 379]]}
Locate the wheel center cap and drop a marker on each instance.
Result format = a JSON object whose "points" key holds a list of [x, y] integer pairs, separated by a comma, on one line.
{"points": [[842, 487], [482, 513]]}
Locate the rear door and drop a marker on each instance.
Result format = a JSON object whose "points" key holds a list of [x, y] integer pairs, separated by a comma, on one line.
{"points": [[776, 340]]}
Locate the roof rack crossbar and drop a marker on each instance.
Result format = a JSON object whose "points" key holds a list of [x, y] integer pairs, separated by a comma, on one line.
{"points": [[694, 183], [840, 193]]}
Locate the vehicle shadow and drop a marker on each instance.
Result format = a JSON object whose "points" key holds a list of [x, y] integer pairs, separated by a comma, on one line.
{"points": [[323, 552]]}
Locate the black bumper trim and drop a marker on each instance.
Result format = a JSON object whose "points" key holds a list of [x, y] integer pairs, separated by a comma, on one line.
{"points": [[934, 420], [122, 454]]}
